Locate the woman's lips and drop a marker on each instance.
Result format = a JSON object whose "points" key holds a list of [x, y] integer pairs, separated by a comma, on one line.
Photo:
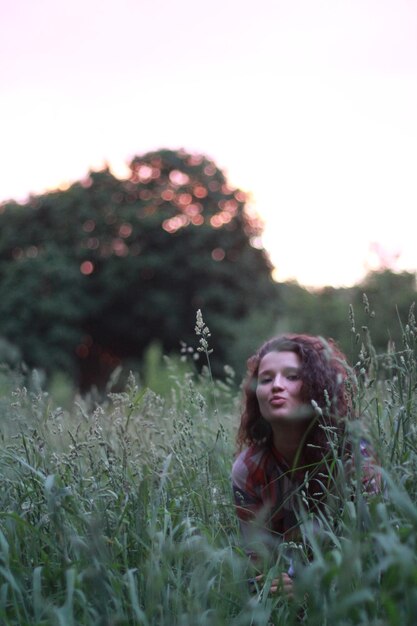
{"points": [[277, 401]]}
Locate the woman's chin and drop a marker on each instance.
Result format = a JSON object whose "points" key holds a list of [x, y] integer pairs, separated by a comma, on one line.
{"points": [[303, 412]]}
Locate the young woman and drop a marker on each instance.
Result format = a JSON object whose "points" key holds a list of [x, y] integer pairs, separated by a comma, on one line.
{"points": [[291, 439]]}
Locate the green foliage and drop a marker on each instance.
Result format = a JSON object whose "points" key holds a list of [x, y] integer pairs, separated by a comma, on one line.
{"points": [[91, 276], [120, 512], [375, 306]]}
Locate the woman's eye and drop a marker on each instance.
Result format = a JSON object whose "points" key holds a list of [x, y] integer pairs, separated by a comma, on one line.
{"points": [[265, 379], [293, 377]]}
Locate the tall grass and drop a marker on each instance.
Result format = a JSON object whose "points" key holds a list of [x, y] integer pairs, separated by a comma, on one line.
{"points": [[119, 511]]}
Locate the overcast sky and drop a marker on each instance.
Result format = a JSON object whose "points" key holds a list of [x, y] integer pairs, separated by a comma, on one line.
{"points": [[309, 105]]}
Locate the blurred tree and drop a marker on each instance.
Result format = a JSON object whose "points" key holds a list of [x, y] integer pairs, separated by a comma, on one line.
{"points": [[322, 312], [90, 276], [381, 303]]}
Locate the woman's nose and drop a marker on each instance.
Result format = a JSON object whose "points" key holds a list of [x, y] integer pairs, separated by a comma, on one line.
{"points": [[278, 381]]}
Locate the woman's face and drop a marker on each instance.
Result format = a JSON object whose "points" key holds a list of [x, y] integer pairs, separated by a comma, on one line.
{"points": [[278, 389]]}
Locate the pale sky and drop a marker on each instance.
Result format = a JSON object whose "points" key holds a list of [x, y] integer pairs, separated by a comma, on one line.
{"points": [[309, 105]]}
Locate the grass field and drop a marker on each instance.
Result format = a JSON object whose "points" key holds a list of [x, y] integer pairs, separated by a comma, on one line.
{"points": [[118, 510]]}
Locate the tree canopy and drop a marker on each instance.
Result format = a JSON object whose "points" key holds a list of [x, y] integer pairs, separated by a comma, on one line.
{"points": [[91, 276]]}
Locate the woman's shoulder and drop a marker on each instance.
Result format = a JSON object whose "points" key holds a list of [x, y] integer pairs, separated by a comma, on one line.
{"points": [[366, 448], [252, 453], [363, 460], [247, 462]]}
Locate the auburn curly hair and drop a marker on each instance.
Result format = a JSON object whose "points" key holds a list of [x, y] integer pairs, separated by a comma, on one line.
{"points": [[327, 388]]}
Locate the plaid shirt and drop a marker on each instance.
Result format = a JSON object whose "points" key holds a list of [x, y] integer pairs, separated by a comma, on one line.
{"points": [[266, 491]]}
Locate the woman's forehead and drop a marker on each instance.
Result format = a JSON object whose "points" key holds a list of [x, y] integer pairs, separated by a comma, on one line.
{"points": [[280, 360]]}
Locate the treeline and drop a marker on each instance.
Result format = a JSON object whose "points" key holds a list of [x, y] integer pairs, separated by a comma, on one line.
{"points": [[374, 312], [92, 276]]}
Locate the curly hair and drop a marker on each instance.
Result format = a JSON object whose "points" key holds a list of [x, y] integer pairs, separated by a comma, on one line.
{"points": [[327, 388]]}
